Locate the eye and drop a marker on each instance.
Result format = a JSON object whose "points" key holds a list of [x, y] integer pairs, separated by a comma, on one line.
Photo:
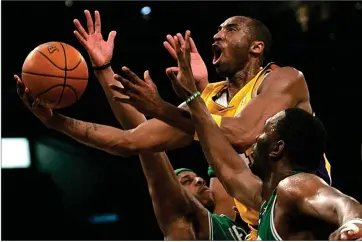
{"points": [[231, 29], [186, 182]]}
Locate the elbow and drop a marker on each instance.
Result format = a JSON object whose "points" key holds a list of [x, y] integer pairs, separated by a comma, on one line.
{"points": [[124, 147]]}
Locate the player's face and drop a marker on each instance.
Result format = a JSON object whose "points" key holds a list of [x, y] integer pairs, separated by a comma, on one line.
{"points": [[231, 46], [264, 146], [197, 187]]}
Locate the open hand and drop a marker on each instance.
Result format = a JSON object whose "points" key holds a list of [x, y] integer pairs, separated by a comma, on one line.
{"points": [[184, 83], [99, 50], [143, 94], [44, 114], [198, 66]]}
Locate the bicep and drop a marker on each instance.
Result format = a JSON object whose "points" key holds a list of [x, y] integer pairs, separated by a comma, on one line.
{"points": [[242, 130], [155, 136], [312, 197], [282, 89]]}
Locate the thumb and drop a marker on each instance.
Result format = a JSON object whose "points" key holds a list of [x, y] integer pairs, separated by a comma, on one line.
{"points": [[111, 37], [171, 75], [174, 69]]}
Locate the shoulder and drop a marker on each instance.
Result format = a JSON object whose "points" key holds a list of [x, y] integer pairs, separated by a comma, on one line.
{"points": [[285, 80], [298, 187]]}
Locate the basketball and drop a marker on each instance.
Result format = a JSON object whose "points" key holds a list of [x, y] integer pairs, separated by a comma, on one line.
{"points": [[56, 73]]}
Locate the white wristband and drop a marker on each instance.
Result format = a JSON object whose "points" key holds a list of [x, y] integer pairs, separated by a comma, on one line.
{"points": [[351, 225]]}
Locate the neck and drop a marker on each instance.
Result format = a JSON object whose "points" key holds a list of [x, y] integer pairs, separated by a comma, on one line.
{"points": [[271, 181], [243, 76]]}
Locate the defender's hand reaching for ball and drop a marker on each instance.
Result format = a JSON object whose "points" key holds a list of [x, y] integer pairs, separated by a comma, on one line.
{"points": [[198, 66], [184, 84], [44, 114], [143, 94], [99, 50]]}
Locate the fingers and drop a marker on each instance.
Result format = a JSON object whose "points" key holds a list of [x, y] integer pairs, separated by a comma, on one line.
{"points": [[122, 100], [193, 46], [171, 75], [89, 22], [170, 41], [82, 41], [132, 76], [178, 49], [118, 89], [147, 77], [80, 29], [97, 23], [128, 87], [187, 46], [170, 49], [20, 87], [181, 39], [173, 69], [111, 37]]}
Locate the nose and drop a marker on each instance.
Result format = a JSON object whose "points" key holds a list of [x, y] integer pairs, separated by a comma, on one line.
{"points": [[219, 36], [199, 181]]}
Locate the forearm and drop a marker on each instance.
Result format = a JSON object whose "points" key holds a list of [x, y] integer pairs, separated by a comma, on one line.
{"points": [[109, 139], [170, 201], [126, 115], [233, 173], [176, 117], [347, 208]]}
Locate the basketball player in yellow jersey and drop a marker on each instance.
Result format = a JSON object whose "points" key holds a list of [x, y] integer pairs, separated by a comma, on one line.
{"points": [[239, 48]]}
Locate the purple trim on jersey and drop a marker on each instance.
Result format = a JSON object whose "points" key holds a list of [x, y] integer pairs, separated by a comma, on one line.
{"points": [[323, 173]]}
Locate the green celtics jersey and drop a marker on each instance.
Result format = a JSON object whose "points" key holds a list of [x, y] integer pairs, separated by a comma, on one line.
{"points": [[267, 229], [223, 228]]}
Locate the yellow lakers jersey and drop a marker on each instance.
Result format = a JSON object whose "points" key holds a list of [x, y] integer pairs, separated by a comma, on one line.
{"points": [[211, 96]]}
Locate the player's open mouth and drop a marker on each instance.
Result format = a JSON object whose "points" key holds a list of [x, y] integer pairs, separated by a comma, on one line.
{"points": [[217, 54]]}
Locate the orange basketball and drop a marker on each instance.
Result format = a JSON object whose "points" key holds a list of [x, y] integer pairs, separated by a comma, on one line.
{"points": [[56, 73]]}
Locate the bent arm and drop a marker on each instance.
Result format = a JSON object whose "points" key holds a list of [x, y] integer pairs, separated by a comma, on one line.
{"points": [[150, 136], [232, 172], [283, 88], [315, 198], [174, 207]]}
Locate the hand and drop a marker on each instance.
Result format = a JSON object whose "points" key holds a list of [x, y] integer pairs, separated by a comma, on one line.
{"points": [[143, 94], [349, 231], [44, 114], [100, 51], [184, 84], [198, 66]]}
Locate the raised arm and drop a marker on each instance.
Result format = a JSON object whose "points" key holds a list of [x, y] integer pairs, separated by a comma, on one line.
{"points": [[311, 196], [232, 172], [283, 88]]}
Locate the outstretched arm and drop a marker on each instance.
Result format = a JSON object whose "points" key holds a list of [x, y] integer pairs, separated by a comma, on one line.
{"points": [[311, 196], [231, 170]]}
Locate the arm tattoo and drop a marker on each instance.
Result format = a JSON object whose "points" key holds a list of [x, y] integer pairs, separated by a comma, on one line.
{"points": [[90, 127], [72, 124]]}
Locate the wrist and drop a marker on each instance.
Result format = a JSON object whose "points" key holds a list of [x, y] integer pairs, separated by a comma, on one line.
{"points": [[54, 122], [102, 67], [162, 109], [103, 71]]}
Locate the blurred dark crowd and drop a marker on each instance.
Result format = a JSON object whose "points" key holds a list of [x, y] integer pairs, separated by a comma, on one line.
{"points": [[73, 192]]}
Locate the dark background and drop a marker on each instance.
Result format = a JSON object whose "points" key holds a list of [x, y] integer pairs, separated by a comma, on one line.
{"points": [[68, 182]]}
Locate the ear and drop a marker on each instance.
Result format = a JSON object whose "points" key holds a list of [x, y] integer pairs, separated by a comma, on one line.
{"points": [[257, 47], [277, 150]]}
